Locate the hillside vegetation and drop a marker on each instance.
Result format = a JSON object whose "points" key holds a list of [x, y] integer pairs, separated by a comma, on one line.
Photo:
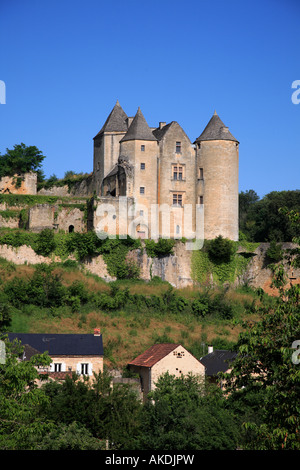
{"points": [[132, 314]]}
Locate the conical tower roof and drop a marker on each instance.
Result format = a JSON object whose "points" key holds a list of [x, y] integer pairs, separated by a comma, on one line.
{"points": [[116, 121], [139, 129], [216, 130]]}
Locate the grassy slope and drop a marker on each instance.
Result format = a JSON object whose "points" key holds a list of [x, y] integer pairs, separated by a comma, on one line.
{"points": [[125, 333]]}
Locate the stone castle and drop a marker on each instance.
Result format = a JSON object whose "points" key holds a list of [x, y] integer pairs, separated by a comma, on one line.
{"points": [[146, 182], [161, 167]]}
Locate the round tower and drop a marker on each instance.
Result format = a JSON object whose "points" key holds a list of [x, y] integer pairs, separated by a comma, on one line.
{"points": [[217, 154]]}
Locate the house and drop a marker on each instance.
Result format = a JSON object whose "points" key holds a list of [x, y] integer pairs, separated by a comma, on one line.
{"points": [[216, 361], [162, 358], [80, 353]]}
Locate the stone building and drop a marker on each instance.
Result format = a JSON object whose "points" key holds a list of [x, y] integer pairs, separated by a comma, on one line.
{"points": [[164, 358], [171, 180]]}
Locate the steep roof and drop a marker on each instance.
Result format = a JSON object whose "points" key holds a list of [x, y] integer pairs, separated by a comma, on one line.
{"points": [[217, 361], [116, 121], [61, 344], [139, 129], [160, 133], [216, 130], [154, 354]]}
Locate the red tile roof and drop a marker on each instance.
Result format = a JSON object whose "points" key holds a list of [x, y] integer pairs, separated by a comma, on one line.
{"points": [[153, 354]]}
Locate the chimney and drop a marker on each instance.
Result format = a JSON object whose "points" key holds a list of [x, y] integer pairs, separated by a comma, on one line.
{"points": [[162, 124], [210, 349], [97, 332]]}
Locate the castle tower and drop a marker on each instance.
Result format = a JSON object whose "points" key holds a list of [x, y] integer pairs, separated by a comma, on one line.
{"points": [[139, 151], [106, 144], [217, 156]]}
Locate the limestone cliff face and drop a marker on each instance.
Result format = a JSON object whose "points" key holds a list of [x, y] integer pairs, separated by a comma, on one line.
{"points": [[175, 269]]}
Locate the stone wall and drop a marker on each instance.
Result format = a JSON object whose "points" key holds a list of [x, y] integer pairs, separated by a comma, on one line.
{"points": [[28, 184]]}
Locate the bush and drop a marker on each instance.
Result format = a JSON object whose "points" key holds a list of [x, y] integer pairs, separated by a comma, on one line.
{"points": [[220, 250], [45, 242], [274, 253]]}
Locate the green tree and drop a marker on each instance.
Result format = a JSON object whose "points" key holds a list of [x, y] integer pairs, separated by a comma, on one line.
{"points": [[184, 414], [265, 366], [20, 424], [109, 413], [21, 159]]}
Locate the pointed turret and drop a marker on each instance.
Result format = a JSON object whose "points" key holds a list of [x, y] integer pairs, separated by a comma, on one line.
{"points": [[139, 129], [216, 130], [116, 121]]}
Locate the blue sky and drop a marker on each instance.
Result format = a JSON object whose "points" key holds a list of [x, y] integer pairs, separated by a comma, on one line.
{"points": [[65, 63]]}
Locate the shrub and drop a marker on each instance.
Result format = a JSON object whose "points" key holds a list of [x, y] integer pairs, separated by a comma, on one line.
{"points": [[45, 242], [220, 250], [274, 253]]}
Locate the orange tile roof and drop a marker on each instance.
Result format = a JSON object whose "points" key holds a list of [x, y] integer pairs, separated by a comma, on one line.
{"points": [[154, 354]]}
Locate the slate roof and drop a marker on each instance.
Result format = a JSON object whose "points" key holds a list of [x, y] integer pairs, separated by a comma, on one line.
{"points": [[116, 121], [139, 129], [154, 354], [216, 130], [217, 361], [160, 133], [61, 344]]}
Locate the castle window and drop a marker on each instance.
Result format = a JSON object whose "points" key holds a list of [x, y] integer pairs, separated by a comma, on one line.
{"points": [[201, 200], [142, 190], [178, 147], [177, 172], [71, 228], [143, 166], [142, 148], [201, 173], [141, 213], [177, 199], [177, 229]]}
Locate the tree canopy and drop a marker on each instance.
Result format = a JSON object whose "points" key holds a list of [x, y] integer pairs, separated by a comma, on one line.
{"points": [[261, 220], [22, 159]]}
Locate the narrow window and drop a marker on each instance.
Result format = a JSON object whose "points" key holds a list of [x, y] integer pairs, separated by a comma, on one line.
{"points": [[143, 166], [84, 369], [142, 148], [141, 213], [200, 200], [201, 173], [142, 190], [178, 147], [177, 229]]}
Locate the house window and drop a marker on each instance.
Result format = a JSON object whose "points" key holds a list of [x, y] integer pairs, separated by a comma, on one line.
{"points": [[177, 172], [84, 369], [142, 148], [57, 367], [178, 147], [201, 173], [142, 190], [143, 166], [177, 199]]}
